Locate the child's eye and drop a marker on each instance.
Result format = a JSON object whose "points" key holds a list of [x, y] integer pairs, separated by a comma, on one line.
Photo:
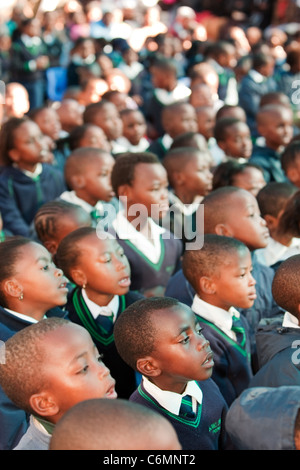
{"points": [[185, 340], [199, 330], [45, 268]]}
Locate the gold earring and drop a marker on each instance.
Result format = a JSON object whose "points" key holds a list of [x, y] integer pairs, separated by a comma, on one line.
{"points": [[83, 287], [21, 296]]}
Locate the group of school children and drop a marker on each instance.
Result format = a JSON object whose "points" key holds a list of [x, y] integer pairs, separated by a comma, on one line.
{"points": [[149, 250]]}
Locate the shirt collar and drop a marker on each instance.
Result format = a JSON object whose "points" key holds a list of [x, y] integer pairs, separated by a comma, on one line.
{"points": [[218, 316], [256, 76], [290, 321], [31, 174], [22, 316], [101, 310], [126, 231], [171, 401], [71, 196]]}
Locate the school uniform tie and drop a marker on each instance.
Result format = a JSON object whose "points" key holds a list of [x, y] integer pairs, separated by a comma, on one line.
{"points": [[95, 215], [186, 407], [106, 321], [239, 330]]}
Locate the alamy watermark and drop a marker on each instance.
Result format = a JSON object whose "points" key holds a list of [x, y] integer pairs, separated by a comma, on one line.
{"points": [[296, 354], [177, 225]]}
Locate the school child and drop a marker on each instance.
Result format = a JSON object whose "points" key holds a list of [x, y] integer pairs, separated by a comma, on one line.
{"points": [[220, 273], [16, 100], [100, 271], [88, 175], [56, 219], [162, 339], [140, 181], [234, 138], [233, 212], [233, 111], [30, 288], [265, 418], [247, 176], [49, 367], [272, 201], [190, 139], [275, 124], [69, 113], [88, 135], [190, 179], [167, 89], [206, 119], [134, 137], [25, 181], [106, 116], [177, 118], [29, 60], [48, 121], [290, 162], [120, 424], [277, 338], [256, 83]]}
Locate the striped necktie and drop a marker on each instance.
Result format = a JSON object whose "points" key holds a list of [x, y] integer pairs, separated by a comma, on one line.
{"points": [[186, 408], [106, 321], [239, 330]]}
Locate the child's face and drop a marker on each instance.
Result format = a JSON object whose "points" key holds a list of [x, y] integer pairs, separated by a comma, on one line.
{"points": [[16, 100], [134, 127], [181, 352], [183, 121], [245, 222], [28, 143], [74, 369], [49, 123], [104, 266], [95, 137], [41, 282], [109, 120], [277, 128], [250, 179], [233, 283], [293, 171], [206, 122], [198, 176], [150, 189], [97, 179], [238, 143]]}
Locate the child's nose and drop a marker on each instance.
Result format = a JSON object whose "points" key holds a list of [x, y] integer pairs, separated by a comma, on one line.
{"points": [[103, 371], [58, 272], [203, 343]]}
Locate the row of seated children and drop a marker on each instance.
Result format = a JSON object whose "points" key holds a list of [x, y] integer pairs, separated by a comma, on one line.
{"points": [[252, 282]]}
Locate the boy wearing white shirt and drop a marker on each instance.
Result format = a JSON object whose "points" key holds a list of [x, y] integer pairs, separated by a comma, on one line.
{"points": [[161, 339], [220, 273], [154, 254]]}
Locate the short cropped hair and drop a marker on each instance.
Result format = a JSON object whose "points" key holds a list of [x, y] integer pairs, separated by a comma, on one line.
{"points": [[134, 330], [222, 126], [68, 253], [176, 159], [79, 159], [273, 197], [285, 286], [123, 170], [290, 154], [22, 375], [217, 206], [208, 260]]}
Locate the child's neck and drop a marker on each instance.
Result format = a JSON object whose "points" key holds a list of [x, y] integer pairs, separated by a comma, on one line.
{"points": [[184, 196], [32, 311], [81, 194], [283, 238], [276, 148], [168, 384], [98, 297], [27, 166]]}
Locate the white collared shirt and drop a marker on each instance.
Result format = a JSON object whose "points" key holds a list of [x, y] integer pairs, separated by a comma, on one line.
{"points": [[126, 231], [256, 76], [98, 310], [290, 321], [31, 174], [22, 316], [275, 251], [171, 401], [71, 196], [218, 316], [186, 209]]}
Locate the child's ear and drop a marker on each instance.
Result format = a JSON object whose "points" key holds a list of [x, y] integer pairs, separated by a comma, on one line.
{"points": [[207, 285], [125, 191], [224, 230], [292, 174], [14, 155], [51, 246], [272, 222], [179, 178], [222, 145], [12, 288], [43, 404], [78, 277], [148, 366], [77, 181]]}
